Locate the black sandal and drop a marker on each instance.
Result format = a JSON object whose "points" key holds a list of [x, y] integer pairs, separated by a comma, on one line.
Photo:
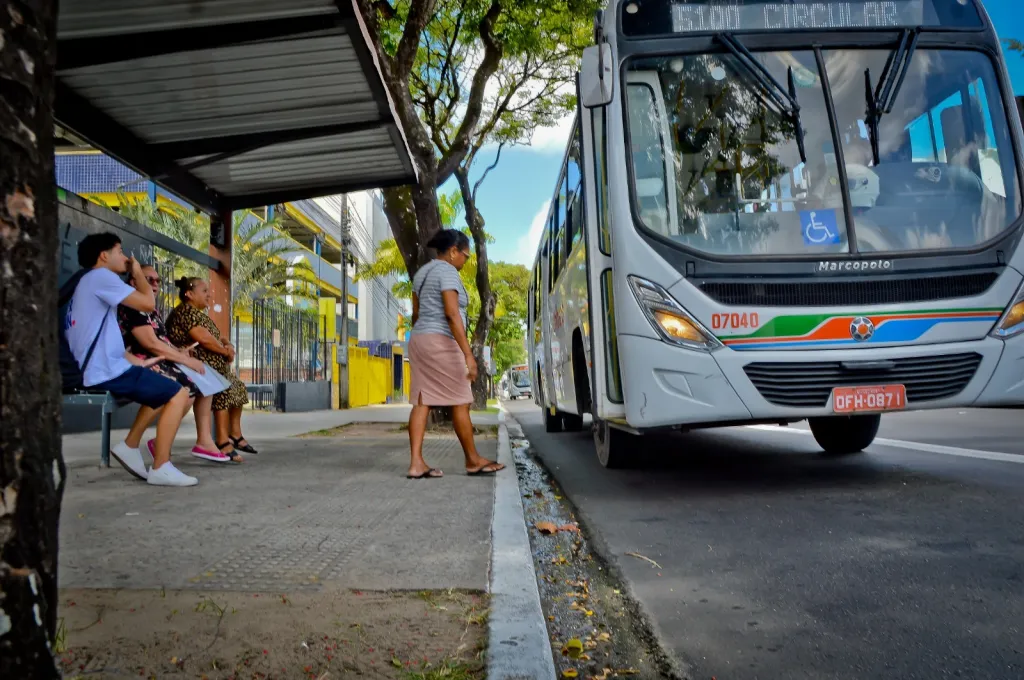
{"points": [[238, 445], [232, 454]]}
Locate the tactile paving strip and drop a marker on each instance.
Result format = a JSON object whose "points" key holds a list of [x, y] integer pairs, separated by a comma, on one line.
{"points": [[309, 548]]}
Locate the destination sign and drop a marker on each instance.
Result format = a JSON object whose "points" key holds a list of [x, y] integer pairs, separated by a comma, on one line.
{"points": [[660, 17]]}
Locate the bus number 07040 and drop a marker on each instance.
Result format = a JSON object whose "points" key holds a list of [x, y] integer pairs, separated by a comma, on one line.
{"points": [[744, 320]]}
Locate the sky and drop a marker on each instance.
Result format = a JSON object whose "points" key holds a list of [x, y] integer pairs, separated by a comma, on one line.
{"points": [[514, 199]]}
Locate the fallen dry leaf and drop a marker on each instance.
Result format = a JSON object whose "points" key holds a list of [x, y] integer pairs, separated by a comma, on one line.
{"points": [[546, 528], [605, 674], [573, 648], [604, 637], [569, 527], [570, 673]]}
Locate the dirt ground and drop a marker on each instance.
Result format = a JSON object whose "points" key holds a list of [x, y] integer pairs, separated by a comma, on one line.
{"points": [[320, 635]]}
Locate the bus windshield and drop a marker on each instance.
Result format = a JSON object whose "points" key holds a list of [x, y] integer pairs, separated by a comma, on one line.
{"points": [[520, 379], [717, 167]]}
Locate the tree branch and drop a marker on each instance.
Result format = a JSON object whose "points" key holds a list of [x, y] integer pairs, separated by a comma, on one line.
{"points": [[488, 65], [476, 187], [419, 15]]}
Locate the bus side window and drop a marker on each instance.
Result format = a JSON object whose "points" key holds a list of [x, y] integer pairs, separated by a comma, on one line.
{"points": [[575, 186], [601, 174], [988, 145], [553, 245], [923, 145]]}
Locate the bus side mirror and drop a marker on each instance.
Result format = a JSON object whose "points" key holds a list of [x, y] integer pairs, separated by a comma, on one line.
{"points": [[597, 78]]}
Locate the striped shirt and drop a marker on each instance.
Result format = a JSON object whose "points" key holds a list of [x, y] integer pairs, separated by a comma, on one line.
{"points": [[430, 281]]}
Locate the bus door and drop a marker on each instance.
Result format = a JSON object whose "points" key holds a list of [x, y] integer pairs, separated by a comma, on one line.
{"points": [[605, 380]]}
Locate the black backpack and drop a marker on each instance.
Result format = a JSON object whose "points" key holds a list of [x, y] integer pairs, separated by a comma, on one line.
{"points": [[70, 371]]}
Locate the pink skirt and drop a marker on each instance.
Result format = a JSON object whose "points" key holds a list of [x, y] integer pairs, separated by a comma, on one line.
{"points": [[439, 373]]}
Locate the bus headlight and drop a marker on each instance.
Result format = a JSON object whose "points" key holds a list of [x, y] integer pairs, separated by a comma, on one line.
{"points": [[673, 323], [1012, 322]]}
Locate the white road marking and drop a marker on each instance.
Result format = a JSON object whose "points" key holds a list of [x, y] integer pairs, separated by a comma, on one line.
{"points": [[916, 446]]}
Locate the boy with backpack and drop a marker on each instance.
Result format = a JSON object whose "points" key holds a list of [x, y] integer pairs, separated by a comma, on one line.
{"points": [[98, 359]]}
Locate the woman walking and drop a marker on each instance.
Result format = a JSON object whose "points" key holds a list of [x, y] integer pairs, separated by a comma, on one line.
{"points": [[439, 355], [188, 323]]}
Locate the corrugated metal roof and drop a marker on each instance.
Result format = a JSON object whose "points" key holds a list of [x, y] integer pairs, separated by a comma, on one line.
{"points": [[231, 103], [102, 18]]}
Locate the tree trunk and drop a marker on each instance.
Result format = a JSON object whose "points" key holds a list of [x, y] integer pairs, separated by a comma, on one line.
{"points": [[31, 467], [485, 319], [414, 218]]}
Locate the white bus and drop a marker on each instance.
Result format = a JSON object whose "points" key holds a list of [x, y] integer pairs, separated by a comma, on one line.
{"points": [[515, 383], [777, 211]]}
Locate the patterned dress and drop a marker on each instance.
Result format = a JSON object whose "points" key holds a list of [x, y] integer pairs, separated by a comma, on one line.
{"points": [[180, 322], [129, 319]]}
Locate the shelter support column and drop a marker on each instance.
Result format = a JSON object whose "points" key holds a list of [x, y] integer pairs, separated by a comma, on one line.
{"points": [[221, 238]]}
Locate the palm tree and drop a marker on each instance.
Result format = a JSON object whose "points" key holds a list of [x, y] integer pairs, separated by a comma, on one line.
{"points": [[260, 266]]}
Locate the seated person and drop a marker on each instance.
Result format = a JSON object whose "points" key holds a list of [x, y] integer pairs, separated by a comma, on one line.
{"points": [[145, 337], [189, 324], [95, 341]]}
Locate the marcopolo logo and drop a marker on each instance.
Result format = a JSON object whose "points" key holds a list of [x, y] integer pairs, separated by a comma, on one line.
{"points": [[852, 266]]}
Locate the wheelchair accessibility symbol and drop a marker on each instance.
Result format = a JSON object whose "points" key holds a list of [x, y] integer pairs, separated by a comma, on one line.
{"points": [[819, 227]]}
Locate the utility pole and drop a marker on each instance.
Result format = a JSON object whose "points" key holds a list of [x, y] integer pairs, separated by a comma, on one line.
{"points": [[343, 342]]}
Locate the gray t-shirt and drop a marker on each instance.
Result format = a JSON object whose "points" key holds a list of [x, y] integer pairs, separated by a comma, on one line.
{"points": [[430, 281]]}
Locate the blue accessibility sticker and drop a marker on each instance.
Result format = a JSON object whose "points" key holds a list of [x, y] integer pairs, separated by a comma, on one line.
{"points": [[819, 227]]}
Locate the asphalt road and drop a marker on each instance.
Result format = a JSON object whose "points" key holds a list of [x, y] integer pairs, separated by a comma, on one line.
{"points": [[906, 561]]}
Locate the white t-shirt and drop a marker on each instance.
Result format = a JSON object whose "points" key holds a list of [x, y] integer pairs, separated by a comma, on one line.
{"points": [[97, 296]]}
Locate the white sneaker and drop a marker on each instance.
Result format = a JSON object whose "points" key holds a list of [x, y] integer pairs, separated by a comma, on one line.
{"points": [[168, 475], [130, 459]]}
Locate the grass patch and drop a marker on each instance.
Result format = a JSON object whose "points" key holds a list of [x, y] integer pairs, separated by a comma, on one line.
{"points": [[447, 670], [328, 432], [60, 640], [489, 409]]}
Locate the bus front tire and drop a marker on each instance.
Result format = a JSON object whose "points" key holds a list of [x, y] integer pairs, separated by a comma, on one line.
{"points": [[552, 421], [613, 446], [845, 435]]}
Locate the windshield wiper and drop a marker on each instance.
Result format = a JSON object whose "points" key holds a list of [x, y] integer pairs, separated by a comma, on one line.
{"points": [[784, 99], [882, 98]]}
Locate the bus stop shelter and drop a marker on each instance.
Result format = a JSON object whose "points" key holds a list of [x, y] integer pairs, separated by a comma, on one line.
{"points": [[231, 104]]}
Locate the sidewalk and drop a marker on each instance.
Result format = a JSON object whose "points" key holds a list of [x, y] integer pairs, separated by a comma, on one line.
{"points": [[312, 524], [84, 449]]}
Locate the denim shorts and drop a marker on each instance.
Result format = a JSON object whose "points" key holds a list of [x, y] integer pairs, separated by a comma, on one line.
{"points": [[142, 386]]}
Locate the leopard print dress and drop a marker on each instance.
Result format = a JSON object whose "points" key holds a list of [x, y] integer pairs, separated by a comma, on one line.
{"points": [[180, 322]]}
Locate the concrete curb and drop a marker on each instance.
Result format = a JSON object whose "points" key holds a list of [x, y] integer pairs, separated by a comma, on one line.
{"points": [[518, 646]]}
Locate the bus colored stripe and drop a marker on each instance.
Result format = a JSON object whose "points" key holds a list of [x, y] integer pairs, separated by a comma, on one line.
{"points": [[823, 327], [900, 329], [803, 325]]}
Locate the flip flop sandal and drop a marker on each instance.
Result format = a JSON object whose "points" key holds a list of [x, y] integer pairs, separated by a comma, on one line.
{"points": [[426, 475], [484, 471]]}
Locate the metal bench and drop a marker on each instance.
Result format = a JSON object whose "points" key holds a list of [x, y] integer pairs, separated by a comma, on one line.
{"points": [[108, 405]]}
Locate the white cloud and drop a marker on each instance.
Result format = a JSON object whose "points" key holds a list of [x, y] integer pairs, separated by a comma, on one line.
{"points": [[526, 246], [554, 138]]}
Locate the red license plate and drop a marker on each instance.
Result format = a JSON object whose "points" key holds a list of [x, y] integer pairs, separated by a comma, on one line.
{"points": [[872, 398]]}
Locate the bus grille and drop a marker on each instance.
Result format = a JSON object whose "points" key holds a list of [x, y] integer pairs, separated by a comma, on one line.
{"points": [[810, 384], [834, 293]]}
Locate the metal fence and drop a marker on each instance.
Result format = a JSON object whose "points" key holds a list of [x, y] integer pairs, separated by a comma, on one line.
{"points": [[280, 345]]}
